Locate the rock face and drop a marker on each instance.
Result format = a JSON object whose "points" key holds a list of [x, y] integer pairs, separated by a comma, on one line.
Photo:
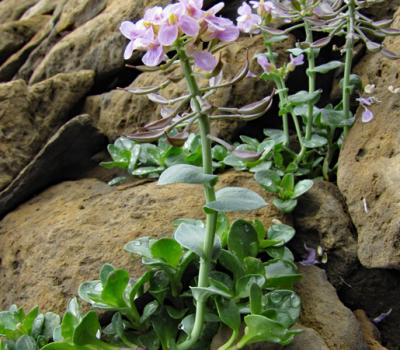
{"points": [[119, 112], [62, 237], [29, 114], [323, 311], [74, 144], [321, 219], [371, 333], [369, 166]]}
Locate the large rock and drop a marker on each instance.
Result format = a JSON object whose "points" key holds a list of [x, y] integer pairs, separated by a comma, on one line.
{"points": [[321, 219], [323, 311], [119, 112], [96, 45], [14, 35], [74, 143], [371, 333], [29, 115], [369, 166], [11, 10], [60, 238]]}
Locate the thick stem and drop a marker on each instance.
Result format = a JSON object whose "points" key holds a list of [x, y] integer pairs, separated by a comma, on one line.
{"points": [[230, 341], [211, 220], [311, 78], [346, 89]]}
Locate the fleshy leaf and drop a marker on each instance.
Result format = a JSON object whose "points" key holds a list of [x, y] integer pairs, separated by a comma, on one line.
{"points": [[185, 173]]}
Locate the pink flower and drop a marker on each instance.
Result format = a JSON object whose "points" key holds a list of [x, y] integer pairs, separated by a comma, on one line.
{"points": [[193, 8], [247, 20], [149, 43], [202, 59], [175, 19], [264, 7], [264, 63]]}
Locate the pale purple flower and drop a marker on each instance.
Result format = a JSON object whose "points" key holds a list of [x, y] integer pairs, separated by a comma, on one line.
{"points": [[154, 51], [247, 21], [131, 31], [367, 114], [218, 27], [202, 59], [262, 60], [175, 19], [263, 7], [311, 258], [193, 8], [154, 15], [297, 61], [381, 317]]}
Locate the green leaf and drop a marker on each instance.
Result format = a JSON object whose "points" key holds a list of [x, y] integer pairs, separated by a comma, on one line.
{"points": [[244, 283], [327, 67], [105, 272], [86, 331], [90, 291], [147, 171], [185, 173], [165, 328], [29, 319], [113, 290], [221, 281], [26, 343], [315, 141], [283, 306], [37, 326], [243, 239], [205, 292], [51, 322], [269, 179], [281, 233], [256, 299], [192, 237], [283, 253], [253, 266], [140, 246], [134, 159], [168, 250], [262, 329], [8, 324], [281, 274], [302, 187], [68, 325], [336, 118], [231, 262], [149, 310], [285, 205], [287, 186], [303, 97], [229, 313], [250, 141], [236, 199]]}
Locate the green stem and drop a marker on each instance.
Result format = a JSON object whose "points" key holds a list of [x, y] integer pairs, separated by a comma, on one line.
{"points": [[311, 78], [329, 155], [346, 89], [230, 341], [211, 220]]}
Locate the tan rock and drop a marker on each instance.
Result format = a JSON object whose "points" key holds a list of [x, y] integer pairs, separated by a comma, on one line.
{"points": [[96, 45], [119, 112], [323, 311], [369, 166], [371, 333], [61, 238], [14, 35], [28, 116], [11, 10]]}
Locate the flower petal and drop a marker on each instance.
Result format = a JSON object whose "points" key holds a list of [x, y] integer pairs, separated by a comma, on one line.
{"points": [[229, 34], [367, 115], [189, 25], [204, 60], [129, 51], [128, 29], [167, 34], [154, 56]]}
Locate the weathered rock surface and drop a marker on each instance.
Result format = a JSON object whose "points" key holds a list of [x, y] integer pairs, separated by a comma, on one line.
{"points": [[11, 10], [96, 45], [369, 166], [60, 238], [119, 112], [370, 332], [14, 35], [66, 155], [321, 219], [323, 311], [28, 116]]}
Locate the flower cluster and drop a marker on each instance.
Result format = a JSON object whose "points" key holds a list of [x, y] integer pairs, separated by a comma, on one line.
{"points": [[251, 17], [161, 28]]}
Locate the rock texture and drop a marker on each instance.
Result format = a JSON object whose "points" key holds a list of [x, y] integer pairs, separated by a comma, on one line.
{"points": [[62, 237], [119, 112], [369, 166], [323, 311], [30, 114], [371, 333], [321, 219], [66, 155]]}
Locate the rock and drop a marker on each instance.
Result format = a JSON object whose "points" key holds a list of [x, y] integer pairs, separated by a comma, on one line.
{"points": [[96, 45], [61, 237], [371, 333], [11, 10], [14, 35], [119, 112], [376, 291], [75, 143], [321, 219], [323, 311], [29, 115], [369, 166]]}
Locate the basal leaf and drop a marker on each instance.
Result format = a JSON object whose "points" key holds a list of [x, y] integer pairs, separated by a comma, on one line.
{"points": [[185, 173]]}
